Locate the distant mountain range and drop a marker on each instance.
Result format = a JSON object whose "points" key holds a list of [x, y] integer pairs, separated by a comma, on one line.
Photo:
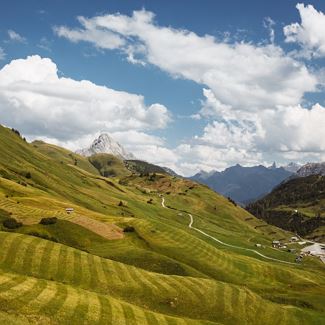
{"points": [[244, 184], [106, 144]]}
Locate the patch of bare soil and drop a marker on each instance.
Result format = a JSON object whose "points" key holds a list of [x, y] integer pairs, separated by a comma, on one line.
{"points": [[108, 231]]}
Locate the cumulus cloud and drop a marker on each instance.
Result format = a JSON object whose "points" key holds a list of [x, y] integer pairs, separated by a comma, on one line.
{"points": [[309, 34], [15, 37], [239, 74], [34, 99], [280, 129]]}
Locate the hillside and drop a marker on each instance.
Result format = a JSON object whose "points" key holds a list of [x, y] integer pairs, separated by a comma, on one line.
{"points": [[126, 254], [243, 184], [297, 205]]}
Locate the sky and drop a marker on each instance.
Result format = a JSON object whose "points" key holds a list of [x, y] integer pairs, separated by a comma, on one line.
{"points": [[191, 85]]}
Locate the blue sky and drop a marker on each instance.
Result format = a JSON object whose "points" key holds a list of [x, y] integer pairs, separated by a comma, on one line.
{"points": [[191, 128]]}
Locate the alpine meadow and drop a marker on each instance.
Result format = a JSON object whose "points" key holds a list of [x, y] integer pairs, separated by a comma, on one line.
{"points": [[162, 163]]}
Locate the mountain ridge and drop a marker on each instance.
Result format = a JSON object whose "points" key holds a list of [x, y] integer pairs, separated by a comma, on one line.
{"points": [[106, 144]]}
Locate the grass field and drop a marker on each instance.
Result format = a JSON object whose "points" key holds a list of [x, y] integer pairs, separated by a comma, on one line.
{"points": [[75, 272]]}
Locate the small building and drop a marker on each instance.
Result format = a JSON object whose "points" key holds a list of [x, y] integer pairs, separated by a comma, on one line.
{"points": [[69, 210], [258, 245], [276, 243], [294, 238]]}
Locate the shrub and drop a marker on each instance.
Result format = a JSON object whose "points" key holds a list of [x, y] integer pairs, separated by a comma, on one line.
{"points": [[28, 175], [232, 201], [48, 221], [128, 229], [12, 223]]}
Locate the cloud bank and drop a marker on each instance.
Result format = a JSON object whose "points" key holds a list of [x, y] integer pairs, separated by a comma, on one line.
{"points": [[253, 92]]}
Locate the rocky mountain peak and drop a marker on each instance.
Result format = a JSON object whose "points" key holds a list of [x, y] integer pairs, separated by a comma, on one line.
{"points": [[106, 144]]}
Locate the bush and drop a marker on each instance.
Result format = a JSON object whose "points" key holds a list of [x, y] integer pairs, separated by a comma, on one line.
{"points": [[121, 204], [48, 221], [12, 223], [28, 175], [129, 229], [232, 201]]}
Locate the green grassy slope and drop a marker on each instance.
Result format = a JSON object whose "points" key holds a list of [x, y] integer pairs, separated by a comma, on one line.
{"points": [[297, 205], [108, 165], [162, 273]]}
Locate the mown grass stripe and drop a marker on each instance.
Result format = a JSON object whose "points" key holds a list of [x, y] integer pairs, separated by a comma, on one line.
{"points": [[45, 264], [27, 261], [106, 311], [20, 288], [124, 274], [72, 266], [162, 283], [94, 309], [21, 253], [38, 256], [81, 308], [61, 261], [129, 314], [70, 303], [44, 298], [151, 319], [10, 248], [139, 316], [54, 305], [85, 269], [98, 263], [9, 281], [53, 263], [25, 297], [118, 317]]}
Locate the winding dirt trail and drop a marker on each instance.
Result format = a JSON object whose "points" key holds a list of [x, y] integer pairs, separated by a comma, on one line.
{"points": [[190, 225]]}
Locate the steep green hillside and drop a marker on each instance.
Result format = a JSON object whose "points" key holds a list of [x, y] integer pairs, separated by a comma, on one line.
{"points": [[84, 269], [143, 167], [108, 165], [297, 205]]}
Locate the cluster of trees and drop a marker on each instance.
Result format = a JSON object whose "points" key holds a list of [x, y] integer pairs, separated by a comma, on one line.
{"points": [[11, 223], [18, 133], [48, 221]]}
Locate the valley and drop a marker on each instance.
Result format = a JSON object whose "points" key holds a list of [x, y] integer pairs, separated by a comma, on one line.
{"points": [[182, 254]]}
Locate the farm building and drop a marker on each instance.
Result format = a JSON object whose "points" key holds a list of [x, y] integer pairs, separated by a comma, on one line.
{"points": [[69, 210]]}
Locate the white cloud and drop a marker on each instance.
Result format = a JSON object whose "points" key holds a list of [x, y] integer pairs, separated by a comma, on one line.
{"points": [[310, 33], [2, 53], [34, 99], [240, 74], [195, 157], [269, 23], [15, 37], [253, 92], [281, 129], [90, 33]]}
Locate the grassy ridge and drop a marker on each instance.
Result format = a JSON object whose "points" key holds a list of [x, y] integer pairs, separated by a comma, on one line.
{"points": [[162, 273]]}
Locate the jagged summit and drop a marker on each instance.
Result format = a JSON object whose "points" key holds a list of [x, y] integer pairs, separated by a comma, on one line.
{"points": [[312, 169], [292, 167], [106, 144]]}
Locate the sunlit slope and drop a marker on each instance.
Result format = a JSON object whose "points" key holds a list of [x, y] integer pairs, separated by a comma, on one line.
{"points": [[162, 273]]}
